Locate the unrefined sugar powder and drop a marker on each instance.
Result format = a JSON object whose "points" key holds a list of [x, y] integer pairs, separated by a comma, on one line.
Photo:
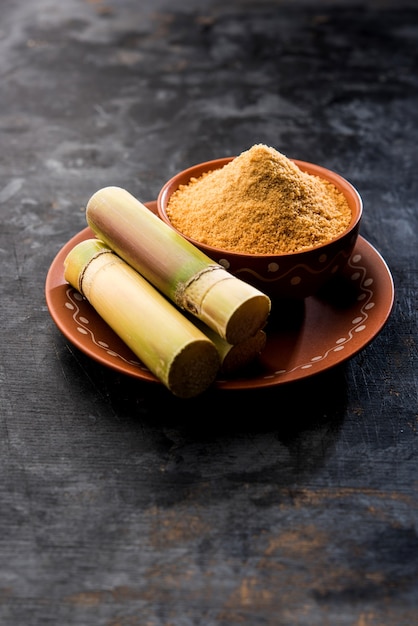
{"points": [[261, 202]]}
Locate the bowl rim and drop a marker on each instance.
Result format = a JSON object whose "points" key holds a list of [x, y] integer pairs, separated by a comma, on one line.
{"points": [[345, 186]]}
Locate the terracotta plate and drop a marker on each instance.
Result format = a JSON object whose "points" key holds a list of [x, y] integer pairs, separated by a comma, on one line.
{"points": [[303, 339]]}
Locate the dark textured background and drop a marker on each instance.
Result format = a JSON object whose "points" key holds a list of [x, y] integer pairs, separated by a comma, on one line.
{"points": [[120, 505]]}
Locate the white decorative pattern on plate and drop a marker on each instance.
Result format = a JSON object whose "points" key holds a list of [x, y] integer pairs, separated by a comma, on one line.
{"points": [[358, 323], [365, 299], [84, 327]]}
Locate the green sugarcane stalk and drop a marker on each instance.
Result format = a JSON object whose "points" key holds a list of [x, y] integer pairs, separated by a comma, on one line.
{"points": [[184, 274]]}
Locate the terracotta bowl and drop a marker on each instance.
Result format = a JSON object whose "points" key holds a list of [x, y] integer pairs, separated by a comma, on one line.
{"points": [[294, 275]]}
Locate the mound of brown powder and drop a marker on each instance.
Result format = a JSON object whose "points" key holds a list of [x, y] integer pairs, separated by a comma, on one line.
{"points": [[259, 203]]}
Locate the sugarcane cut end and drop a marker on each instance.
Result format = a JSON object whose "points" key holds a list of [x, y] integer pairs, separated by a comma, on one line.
{"points": [[235, 309], [248, 318], [194, 369], [244, 353]]}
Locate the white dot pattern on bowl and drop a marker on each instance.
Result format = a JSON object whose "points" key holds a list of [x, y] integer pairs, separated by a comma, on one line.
{"points": [[295, 276]]}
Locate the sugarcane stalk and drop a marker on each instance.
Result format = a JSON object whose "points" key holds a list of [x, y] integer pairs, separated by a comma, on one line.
{"points": [[182, 272], [180, 355], [235, 358]]}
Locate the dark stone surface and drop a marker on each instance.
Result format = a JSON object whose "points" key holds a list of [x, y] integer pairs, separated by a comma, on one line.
{"points": [[120, 505]]}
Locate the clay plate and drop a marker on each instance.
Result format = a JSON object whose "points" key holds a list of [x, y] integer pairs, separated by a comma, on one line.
{"points": [[304, 338]]}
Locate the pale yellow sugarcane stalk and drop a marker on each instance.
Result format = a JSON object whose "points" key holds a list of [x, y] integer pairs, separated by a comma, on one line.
{"points": [[189, 278], [180, 355]]}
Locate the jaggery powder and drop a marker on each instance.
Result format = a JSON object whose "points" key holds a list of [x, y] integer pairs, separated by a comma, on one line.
{"points": [[259, 203]]}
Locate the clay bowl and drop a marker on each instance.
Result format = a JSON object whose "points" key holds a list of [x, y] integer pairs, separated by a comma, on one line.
{"points": [[294, 275]]}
